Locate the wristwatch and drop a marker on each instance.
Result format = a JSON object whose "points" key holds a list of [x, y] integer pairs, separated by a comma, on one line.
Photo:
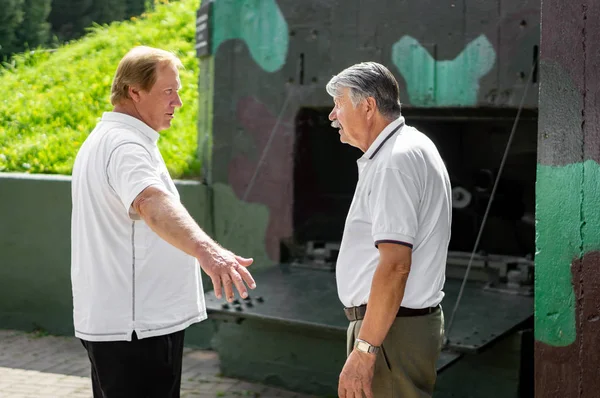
{"points": [[366, 347]]}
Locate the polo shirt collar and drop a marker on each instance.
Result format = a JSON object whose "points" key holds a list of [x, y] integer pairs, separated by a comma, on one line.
{"points": [[131, 121], [383, 137]]}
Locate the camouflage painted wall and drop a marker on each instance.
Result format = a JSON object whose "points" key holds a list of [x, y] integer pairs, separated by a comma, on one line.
{"points": [[272, 58], [567, 291]]}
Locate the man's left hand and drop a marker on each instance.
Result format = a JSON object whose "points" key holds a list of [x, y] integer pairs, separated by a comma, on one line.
{"points": [[357, 375]]}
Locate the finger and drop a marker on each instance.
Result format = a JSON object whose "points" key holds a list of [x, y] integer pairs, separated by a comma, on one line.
{"points": [[227, 286], [247, 277], [244, 261], [368, 391], [238, 282], [216, 281], [341, 390]]}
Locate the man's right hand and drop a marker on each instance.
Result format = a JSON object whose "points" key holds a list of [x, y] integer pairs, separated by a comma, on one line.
{"points": [[170, 220], [227, 270]]}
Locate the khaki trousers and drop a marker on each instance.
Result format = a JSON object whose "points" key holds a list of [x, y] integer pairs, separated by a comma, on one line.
{"points": [[406, 363]]}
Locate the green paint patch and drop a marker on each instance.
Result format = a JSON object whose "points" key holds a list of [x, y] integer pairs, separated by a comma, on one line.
{"points": [[260, 24], [567, 228], [241, 227], [443, 83], [206, 90]]}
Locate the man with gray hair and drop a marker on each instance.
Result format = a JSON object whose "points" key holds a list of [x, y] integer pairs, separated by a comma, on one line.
{"points": [[391, 267]]}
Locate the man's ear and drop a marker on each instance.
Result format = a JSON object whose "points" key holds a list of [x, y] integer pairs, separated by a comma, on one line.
{"points": [[134, 93], [370, 106]]}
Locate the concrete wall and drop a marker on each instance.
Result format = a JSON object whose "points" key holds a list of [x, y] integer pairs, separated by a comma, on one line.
{"points": [[567, 291], [492, 374], [309, 360], [35, 286], [35, 217]]}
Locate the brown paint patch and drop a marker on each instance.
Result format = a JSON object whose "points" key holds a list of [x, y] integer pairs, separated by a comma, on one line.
{"points": [[572, 371], [273, 185]]}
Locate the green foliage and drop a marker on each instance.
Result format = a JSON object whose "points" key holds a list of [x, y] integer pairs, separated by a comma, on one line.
{"points": [[50, 101], [69, 18], [38, 332], [34, 30], [135, 7], [105, 11], [10, 19]]}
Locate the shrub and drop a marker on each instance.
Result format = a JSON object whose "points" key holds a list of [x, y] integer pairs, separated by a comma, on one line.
{"points": [[50, 101]]}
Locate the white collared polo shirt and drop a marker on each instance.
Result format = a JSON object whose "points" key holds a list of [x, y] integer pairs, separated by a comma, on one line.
{"points": [[124, 277], [403, 196]]}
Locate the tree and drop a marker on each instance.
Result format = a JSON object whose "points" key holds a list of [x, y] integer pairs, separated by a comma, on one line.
{"points": [[10, 18], [106, 11], [69, 18], [34, 30], [135, 8]]}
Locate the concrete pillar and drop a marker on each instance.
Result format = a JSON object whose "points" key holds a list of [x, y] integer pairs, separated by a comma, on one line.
{"points": [[567, 290]]}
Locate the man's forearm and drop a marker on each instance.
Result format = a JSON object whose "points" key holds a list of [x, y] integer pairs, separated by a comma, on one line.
{"points": [[172, 222], [387, 291]]}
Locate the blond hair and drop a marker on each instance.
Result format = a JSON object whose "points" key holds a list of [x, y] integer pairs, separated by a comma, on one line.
{"points": [[138, 68]]}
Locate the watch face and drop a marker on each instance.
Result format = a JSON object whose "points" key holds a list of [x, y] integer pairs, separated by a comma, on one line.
{"points": [[362, 346], [365, 347]]}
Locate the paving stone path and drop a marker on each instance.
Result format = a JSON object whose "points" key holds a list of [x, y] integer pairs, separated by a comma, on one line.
{"points": [[37, 366]]}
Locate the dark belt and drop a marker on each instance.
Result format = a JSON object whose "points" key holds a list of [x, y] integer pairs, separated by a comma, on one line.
{"points": [[358, 313]]}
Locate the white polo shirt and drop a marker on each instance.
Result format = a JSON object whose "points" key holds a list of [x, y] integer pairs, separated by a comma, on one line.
{"points": [[124, 277], [403, 196]]}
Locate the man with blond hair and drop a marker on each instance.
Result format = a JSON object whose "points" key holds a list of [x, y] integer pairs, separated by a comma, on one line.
{"points": [[390, 271], [135, 250]]}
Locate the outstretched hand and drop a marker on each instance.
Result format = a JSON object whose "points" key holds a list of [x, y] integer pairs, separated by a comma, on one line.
{"points": [[227, 270]]}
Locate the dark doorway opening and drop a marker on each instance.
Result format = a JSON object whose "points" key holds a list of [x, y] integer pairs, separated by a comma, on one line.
{"points": [[471, 142]]}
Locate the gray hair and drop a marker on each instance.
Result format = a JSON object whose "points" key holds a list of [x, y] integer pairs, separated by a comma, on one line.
{"points": [[368, 79]]}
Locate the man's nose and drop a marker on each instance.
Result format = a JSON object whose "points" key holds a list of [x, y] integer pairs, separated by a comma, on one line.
{"points": [[332, 115], [178, 102]]}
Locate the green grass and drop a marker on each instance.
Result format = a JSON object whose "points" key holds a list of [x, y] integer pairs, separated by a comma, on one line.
{"points": [[50, 101]]}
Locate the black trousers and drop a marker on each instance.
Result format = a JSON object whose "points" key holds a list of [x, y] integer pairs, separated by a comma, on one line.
{"points": [[145, 368]]}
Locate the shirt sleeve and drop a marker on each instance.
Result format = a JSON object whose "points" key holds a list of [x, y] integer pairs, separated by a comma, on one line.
{"points": [[129, 171], [394, 202]]}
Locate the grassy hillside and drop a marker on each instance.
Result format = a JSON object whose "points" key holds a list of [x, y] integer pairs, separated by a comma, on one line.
{"points": [[49, 102]]}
